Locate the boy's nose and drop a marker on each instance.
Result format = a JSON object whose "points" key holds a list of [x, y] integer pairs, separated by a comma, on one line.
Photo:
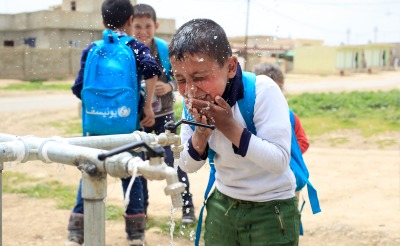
{"points": [[190, 88]]}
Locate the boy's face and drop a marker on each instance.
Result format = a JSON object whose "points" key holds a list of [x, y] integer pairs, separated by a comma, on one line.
{"points": [[200, 77], [144, 29]]}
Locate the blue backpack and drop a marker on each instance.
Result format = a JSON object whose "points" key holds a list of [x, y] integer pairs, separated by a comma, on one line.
{"points": [[297, 164], [162, 47], [110, 93]]}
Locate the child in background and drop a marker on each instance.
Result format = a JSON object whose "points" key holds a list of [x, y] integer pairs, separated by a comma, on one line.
{"points": [[118, 16], [275, 73], [254, 201], [145, 26]]}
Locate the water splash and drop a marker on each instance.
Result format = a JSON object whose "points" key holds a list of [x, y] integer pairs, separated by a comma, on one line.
{"points": [[192, 235], [176, 162], [172, 227]]}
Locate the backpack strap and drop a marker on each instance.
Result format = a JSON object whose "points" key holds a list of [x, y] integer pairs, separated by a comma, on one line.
{"points": [[210, 184], [298, 157], [211, 180], [246, 104], [162, 47], [125, 39], [109, 36]]}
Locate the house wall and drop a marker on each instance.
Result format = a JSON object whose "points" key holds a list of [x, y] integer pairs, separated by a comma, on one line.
{"points": [[315, 60], [39, 64], [59, 37], [345, 59]]}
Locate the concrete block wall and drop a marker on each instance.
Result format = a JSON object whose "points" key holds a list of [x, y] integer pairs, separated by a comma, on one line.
{"points": [[39, 64]]}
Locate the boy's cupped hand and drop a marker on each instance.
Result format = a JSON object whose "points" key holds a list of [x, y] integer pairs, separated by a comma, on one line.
{"points": [[217, 112]]}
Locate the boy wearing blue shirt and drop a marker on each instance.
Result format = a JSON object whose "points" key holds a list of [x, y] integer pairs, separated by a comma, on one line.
{"points": [[118, 16]]}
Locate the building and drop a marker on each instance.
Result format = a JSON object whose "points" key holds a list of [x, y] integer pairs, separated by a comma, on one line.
{"points": [[272, 49], [48, 43], [347, 58]]}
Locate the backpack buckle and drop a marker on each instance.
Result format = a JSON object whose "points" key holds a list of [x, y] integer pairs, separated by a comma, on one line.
{"points": [[110, 38]]}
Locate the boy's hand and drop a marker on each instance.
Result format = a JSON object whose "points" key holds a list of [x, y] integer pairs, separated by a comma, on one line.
{"points": [[218, 114], [162, 88], [201, 134], [149, 117]]}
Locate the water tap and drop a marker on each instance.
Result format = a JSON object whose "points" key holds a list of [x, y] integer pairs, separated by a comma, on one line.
{"points": [[152, 169]]}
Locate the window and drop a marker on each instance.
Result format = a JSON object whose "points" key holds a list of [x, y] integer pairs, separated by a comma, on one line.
{"points": [[73, 6], [31, 42], [74, 44], [9, 43]]}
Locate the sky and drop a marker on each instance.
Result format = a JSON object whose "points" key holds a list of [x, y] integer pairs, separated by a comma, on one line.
{"points": [[335, 22]]}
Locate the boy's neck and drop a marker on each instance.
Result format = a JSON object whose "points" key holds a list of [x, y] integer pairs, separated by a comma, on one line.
{"points": [[120, 32]]}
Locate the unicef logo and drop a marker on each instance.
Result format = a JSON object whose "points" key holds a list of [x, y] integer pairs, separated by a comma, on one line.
{"points": [[124, 111]]}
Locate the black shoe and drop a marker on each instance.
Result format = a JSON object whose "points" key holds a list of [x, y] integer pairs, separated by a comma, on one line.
{"points": [[188, 216], [134, 227]]}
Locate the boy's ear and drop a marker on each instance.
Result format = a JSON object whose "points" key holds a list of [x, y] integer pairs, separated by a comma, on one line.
{"points": [[129, 22], [232, 66], [156, 26]]}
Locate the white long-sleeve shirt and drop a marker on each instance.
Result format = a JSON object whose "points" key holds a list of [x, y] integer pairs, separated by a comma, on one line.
{"points": [[262, 173]]}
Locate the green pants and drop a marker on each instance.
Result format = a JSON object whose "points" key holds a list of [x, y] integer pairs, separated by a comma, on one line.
{"points": [[235, 222]]}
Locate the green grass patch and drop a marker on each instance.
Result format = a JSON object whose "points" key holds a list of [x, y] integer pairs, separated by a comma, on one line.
{"points": [[385, 142], [71, 127], [19, 183], [178, 107], [64, 195], [114, 212], [37, 85], [166, 225], [370, 112], [336, 141]]}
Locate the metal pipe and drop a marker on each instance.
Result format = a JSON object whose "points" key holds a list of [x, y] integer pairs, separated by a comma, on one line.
{"points": [[111, 141], [12, 151], [159, 172], [7, 137], [83, 152], [119, 165], [94, 190], [52, 151], [105, 142]]}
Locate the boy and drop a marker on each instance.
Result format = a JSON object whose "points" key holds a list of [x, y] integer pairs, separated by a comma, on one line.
{"points": [[253, 202], [145, 26], [275, 73], [118, 16]]}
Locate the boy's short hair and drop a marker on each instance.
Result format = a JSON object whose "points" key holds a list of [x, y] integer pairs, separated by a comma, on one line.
{"points": [[115, 13], [201, 36], [141, 9], [271, 70]]}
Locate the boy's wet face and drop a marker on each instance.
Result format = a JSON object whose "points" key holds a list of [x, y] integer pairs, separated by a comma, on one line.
{"points": [[200, 77], [144, 29]]}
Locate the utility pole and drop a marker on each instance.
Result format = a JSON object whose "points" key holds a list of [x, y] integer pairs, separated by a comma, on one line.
{"points": [[246, 35], [348, 35], [375, 34]]}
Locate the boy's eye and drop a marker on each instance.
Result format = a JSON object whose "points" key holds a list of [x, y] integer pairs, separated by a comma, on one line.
{"points": [[180, 81], [198, 79]]}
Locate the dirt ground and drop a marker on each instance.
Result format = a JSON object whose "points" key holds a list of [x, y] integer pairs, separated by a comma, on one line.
{"points": [[358, 181]]}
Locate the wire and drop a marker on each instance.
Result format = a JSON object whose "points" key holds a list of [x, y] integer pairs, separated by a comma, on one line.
{"points": [[346, 3]]}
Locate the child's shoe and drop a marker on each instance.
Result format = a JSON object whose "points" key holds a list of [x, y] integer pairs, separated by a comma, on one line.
{"points": [[75, 230], [134, 227], [188, 216]]}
